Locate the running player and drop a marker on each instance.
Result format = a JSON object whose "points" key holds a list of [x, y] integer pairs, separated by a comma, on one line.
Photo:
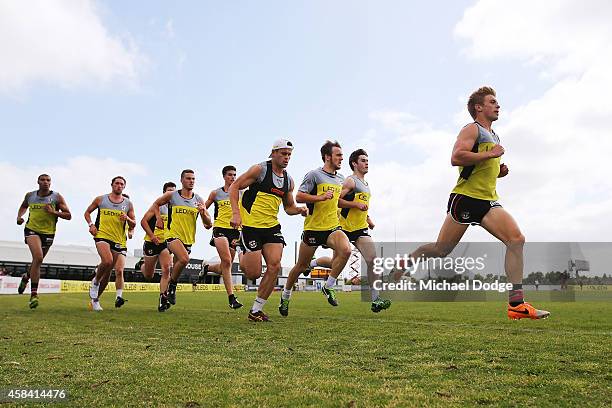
{"points": [[224, 237], [269, 185], [473, 201], [109, 232], [184, 206], [45, 207], [320, 190], [356, 222], [155, 248]]}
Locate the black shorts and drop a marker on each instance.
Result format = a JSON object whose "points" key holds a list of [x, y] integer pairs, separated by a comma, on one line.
{"points": [[151, 249], [468, 210], [353, 236], [187, 247], [232, 235], [317, 238], [253, 239], [45, 239], [114, 246]]}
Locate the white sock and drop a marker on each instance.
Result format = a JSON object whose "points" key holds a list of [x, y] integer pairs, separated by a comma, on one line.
{"points": [[331, 281], [313, 263], [119, 292], [258, 304], [286, 294], [93, 290], [375, 294]]}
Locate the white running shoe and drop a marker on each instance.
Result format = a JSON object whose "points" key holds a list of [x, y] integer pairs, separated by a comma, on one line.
{"points": [[93, 289], [95, 306]]}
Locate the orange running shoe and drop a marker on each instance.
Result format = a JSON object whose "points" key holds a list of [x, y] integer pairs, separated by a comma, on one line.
{"points": [[526, 311]]}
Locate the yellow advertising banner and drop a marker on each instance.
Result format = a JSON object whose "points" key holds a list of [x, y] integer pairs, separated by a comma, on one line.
{"points": [[68, 286]]}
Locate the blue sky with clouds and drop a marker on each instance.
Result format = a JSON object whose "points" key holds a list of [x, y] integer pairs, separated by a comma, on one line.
{"points": [[96, 88]]}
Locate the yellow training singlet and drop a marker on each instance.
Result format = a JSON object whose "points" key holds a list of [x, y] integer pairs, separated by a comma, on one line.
{"points": [[322, 215], [480, 180], [39, 220], [182, 216], [353, 219], [159, 233], [260, 203], [108, 223], [223, 209]]}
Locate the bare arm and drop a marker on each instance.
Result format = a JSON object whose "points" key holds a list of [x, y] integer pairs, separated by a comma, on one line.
{"points": [[144, 223], [371, 224], [206, 220], [22, 210], [91, 208], [242, 182], [164, 199], [130, 218], [302, 197], [347, 187], [289, 204], [462, 151], [62, 209], [210, 199]]}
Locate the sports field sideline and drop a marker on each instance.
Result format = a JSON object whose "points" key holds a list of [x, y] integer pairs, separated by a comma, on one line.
{"points": [[201, 353]]}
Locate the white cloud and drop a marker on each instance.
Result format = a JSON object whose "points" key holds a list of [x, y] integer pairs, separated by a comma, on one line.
{"points": [[79, 180], [557, 144], [169, 29], [409, 197], [562, 36], [62, 42]]}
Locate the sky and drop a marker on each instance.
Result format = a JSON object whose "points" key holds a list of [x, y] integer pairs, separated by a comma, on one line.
{"points": [[143, 89]]}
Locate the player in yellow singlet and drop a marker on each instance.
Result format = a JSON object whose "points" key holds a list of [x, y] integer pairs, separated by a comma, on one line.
{"points": [[473, 201], [320, 190], [356, 222], [224, 238], [155, 249], [269, 186], [184, 207], [45, 207], [109, 232]]}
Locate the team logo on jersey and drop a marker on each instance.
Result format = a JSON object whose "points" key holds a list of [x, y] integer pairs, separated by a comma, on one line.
{"points": [[465, 215], [277, 192]]}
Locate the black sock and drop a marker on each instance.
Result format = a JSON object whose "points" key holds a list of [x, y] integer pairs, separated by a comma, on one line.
{"points": [[231, 298], [34, 289], [515, 295], [172, 286]]}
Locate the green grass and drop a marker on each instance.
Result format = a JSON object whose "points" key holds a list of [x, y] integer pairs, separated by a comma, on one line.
{"points": [[201, 353]]}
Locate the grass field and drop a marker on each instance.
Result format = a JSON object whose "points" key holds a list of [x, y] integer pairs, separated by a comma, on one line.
{"points": [[201, 353]]}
